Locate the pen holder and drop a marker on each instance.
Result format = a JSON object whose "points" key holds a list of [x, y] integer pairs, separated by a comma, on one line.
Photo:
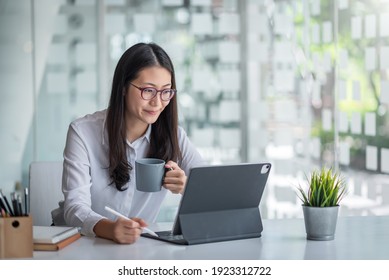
{"points": [[16, 239]]}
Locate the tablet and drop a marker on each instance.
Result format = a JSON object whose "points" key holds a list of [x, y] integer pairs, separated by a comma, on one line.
{"points": [[219, 203]]}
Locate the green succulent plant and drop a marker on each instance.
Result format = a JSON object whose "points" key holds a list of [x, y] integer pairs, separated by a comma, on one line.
{"points": [[326, 188]]}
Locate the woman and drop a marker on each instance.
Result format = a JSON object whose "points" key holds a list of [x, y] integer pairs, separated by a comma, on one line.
{"points": [[99, 157]]}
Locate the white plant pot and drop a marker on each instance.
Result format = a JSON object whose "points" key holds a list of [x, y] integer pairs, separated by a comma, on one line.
{"points": [[320, 222]]}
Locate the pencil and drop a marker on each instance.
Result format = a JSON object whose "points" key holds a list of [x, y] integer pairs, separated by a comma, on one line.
{"points": [[7, 206]]}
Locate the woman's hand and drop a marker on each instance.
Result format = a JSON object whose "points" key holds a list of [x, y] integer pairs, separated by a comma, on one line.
{"points": [[121, 231], [175, 178]]}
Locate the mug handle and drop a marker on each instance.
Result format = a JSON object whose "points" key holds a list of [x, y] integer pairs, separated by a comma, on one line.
{"points": [[166, 170]]}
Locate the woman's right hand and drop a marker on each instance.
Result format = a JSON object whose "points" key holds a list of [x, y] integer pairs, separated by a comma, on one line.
{"points": [[121, 231]]}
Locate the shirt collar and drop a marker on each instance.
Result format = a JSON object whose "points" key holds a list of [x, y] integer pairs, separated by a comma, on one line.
{"points": [[104, 133], [147, 135]]}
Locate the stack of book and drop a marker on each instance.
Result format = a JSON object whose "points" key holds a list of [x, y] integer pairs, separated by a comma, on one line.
{"points": [[52, 238]]}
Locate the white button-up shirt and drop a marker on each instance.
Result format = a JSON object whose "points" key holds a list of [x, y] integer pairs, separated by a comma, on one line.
{"points": [[86, 181]]}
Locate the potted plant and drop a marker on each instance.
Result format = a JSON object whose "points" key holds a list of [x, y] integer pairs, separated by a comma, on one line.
{"points": [[326, 189]]}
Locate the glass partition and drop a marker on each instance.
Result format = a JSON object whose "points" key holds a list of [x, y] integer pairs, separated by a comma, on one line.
{"points": [[300, 84]]}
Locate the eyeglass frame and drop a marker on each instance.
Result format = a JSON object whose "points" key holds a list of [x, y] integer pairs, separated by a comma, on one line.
{"points": [[156, 92]]}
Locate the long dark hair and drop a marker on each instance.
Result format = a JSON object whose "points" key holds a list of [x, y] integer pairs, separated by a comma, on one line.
{"points": [[164, 138]]}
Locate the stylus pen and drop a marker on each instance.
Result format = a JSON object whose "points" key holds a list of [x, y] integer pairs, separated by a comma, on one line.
{"points": [[124, 217]]}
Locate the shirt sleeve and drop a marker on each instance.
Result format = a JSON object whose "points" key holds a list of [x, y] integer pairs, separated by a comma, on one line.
{"points": [[190, 156], [76, 184]]}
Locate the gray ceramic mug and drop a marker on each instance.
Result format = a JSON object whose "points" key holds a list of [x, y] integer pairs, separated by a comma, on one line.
{"points": [[149, 173]]}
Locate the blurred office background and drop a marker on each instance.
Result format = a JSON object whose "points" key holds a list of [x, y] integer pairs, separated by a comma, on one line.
{"points": [[298, 83]]}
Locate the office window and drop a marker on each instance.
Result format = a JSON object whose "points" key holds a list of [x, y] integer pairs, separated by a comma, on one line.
{"points": [[299, 83]]}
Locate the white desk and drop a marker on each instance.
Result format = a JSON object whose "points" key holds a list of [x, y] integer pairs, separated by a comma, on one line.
{"points": [[356, 238]]}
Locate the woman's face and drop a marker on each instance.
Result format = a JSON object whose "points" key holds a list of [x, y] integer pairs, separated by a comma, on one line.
{"points": [[140, 111]]}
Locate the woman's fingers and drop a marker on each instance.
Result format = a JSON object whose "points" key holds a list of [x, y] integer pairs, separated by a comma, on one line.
{"points": [[175, 179], [126, 231]]}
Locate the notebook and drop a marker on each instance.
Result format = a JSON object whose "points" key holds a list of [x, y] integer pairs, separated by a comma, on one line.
{"points": [[219, 203], [52, 234], [56, 246]]}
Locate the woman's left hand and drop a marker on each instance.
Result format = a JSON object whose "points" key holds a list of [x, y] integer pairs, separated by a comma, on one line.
{"points": [[175, 178]]}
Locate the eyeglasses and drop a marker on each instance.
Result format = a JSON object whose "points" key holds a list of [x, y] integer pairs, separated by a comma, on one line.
{"points": [[149, 93]]}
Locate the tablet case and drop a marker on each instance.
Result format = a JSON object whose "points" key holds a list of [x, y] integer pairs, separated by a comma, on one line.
{"points": [[221, 226], [222, 203]]}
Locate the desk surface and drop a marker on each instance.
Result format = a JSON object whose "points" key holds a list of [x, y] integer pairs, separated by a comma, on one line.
{"points": [[356, 238]]}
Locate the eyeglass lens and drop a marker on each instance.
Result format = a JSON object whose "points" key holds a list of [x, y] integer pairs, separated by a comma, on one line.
{"points": [[150, 93]]}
